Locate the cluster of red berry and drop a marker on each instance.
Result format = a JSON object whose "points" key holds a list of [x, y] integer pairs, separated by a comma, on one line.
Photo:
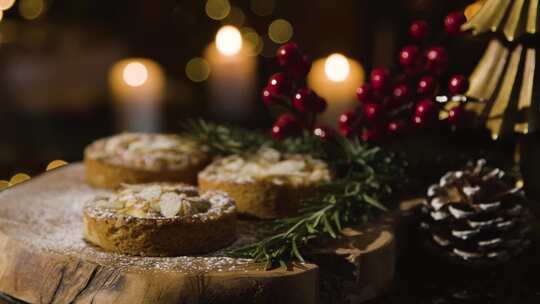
{"points": [[288, 90], [392, 105]]}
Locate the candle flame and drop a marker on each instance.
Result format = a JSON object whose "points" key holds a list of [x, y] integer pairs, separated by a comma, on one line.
{"points": [[135, 74], [229, 40], [337, 68]]}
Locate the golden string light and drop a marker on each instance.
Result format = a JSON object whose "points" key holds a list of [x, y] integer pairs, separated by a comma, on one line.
{"points": [[31, 9], [56, 164], [22, 177], [197, 69], [254, 42], [217, 9], [280, 31]]}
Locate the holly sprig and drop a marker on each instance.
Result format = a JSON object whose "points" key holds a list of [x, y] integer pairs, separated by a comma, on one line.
{"points": [[365, 179]]}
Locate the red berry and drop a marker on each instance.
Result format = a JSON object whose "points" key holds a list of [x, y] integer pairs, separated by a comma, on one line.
{"points": [[279, 84], [421, 122], [436, 60], [364, 93], [285, 126], [419, 30], [396, 127], [346, 122], [454, 21], [458, 116], [371, 112], [373, 134], [268, 98], [458, 84], [425, 113], [408, 56], [323, 132], [401, 93], [427, 86], [305, 100], [320, 104], [380, 79], [425, 107], [288, 55]]}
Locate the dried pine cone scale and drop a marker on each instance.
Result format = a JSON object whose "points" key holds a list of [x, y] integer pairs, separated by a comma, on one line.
{"points": [[476, 214]]}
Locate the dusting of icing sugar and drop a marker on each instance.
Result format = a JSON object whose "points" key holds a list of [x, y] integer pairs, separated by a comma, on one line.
{"points": [[160, 202], [271, 165], [46, 214], [148, 151]]}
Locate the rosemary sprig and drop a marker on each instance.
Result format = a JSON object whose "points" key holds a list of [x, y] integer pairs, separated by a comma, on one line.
{"points": [[365, 178]]}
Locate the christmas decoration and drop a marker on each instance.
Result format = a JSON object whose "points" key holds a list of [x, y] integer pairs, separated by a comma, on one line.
{"points": [[476, 216], [287, 90], [504, 79], [506, 83], [392, 104]]}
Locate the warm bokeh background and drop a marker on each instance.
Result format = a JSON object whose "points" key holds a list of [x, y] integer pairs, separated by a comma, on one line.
{"points": [[55, 58]]}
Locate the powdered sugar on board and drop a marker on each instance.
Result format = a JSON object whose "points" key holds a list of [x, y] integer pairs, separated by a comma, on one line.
{"points": [[46, 214]]}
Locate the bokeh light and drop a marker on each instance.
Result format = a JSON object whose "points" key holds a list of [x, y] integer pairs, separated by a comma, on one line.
{"points": [[56, 164], [336, 67], [229, 40], [262, 7], [235, 17], [197, 69], [135, 74], [217, 9], [254, 42], [6, 4], [31, 9], [280, 31]]}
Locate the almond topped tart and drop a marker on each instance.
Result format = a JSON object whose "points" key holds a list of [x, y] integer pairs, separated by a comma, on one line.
{"points": [[266, 184], [160, 219], [141, 158]]}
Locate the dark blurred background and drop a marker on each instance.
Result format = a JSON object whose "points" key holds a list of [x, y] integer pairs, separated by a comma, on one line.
{"points": [[56, 58]]}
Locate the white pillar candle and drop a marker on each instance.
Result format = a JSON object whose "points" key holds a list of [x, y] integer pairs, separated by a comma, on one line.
{"points": [[232, 79], [137, 86], [336, 78]]}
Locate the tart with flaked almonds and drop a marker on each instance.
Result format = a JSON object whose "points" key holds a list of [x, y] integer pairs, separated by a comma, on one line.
{"points": [[141, 158], [160, 219], [266, 184]]}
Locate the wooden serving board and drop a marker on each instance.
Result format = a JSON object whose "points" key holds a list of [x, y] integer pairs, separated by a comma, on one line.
{"points": [[43, 258]]}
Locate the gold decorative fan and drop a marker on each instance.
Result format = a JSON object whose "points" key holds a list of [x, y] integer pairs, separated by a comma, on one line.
{"points": [[513, 18], [506, 80]]}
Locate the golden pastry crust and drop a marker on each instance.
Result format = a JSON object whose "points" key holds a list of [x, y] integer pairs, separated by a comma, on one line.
{"points": [[143, 158], [266, 185], [203, 223]]}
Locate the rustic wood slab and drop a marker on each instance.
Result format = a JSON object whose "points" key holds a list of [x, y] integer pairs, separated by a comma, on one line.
{"points": [[43, 258]]}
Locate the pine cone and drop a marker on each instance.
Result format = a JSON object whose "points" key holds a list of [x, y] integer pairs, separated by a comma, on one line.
{"points": [[476, 216]]}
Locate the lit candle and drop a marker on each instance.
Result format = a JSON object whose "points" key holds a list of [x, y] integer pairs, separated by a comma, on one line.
{"points": [[336, 78], [137, 86], [233, 75]]}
